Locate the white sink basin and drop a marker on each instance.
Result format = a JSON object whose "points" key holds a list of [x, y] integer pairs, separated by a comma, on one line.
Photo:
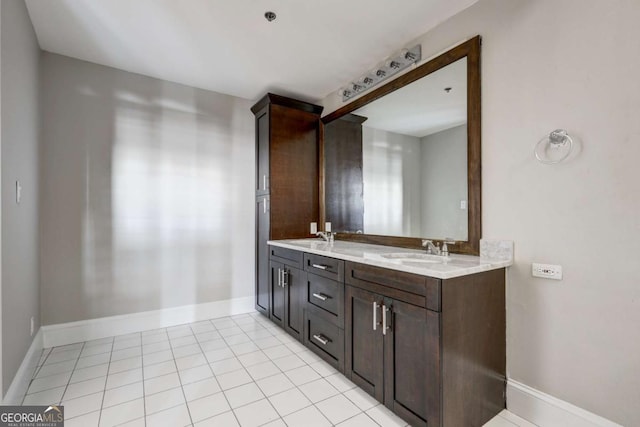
{"points": [[414, 257]]}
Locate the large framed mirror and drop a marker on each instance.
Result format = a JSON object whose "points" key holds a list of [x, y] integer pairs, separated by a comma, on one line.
{"points": [[402, 163]]}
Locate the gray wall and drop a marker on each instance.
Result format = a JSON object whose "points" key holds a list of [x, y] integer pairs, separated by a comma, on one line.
{"points": [[444, 184], [571, 64], [20, 120], [147, 193]]}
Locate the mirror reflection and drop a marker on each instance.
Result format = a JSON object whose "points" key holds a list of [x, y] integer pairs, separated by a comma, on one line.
{"points": [[398, 165]]}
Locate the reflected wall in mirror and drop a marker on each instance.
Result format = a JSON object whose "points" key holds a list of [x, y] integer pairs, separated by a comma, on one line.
{"points": [[404, 164]]}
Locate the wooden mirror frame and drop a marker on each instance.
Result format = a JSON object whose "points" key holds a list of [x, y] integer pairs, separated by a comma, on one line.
{"points": [[471, 50]]}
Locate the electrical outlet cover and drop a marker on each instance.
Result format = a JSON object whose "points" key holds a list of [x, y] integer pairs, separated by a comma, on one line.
{"points": [[546, 271]]}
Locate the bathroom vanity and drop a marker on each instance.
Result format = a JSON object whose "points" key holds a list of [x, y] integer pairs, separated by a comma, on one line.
{"points": [[423, 334]]}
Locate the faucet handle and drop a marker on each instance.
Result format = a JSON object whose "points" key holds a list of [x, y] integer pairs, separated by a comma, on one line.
{"points": [[445, 248]]}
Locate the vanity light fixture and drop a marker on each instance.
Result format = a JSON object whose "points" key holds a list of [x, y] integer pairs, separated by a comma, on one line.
{"points": [[405, 58]]}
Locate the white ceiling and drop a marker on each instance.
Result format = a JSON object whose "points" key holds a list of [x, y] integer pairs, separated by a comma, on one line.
{"points": [[227, 46], [423, 107]]}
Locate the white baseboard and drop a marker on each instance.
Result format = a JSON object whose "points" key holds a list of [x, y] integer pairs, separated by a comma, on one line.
{"points": [[85, 330], [547, 411], [20, 383]]}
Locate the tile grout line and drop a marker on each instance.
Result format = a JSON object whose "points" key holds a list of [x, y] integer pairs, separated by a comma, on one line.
{"points": [[266, 397], [71, 375], [39, 367], [216, 379], [35, 375], [178, 374], [104, 391], [144, 394]]}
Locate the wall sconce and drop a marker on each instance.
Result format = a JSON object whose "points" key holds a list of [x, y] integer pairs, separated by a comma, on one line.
{"points": [[400, 61]]}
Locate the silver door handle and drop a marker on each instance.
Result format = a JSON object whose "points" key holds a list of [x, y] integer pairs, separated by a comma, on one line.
{"points": [[320, 266], [375, 311], [285, 278], [321, 297], [279, 277], [264, 206], [321, 339], [384, 319], [264, 182]]}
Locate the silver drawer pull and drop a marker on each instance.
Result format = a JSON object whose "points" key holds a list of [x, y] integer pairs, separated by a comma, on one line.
{"points": [[321, 339], [384, 319], [320, 266], [375, 311], [321, 297]]}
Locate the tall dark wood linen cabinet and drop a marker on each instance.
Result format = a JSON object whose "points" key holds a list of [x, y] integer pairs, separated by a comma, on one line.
{"points": [[287, 133]]}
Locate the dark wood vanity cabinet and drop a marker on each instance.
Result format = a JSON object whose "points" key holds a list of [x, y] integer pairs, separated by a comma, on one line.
{"points": [[433, 351], [287, 290], [392, 346], [286, 178], [343, 179], [324, 308], [262, 255], [390, 362]]}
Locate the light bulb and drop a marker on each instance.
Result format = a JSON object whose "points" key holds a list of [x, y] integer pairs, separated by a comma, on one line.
{"points": [[393, 64], [407, 55]]}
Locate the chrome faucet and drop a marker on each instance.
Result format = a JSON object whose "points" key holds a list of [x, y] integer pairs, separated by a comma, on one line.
{"points": [[431, 248], [326, 235]]}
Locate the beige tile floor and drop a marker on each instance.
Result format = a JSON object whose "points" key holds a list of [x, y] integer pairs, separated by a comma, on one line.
{"points": [[233, 371]]}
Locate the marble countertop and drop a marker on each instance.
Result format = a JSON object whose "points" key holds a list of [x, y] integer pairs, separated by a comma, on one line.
{"points": [[454, 266]]}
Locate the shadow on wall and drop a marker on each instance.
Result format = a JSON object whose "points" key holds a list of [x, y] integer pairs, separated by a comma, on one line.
{"points": [[150, 195], [155, 208]]}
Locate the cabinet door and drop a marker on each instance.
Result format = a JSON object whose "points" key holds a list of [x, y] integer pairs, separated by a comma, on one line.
{"points": [[364, 340], [278, 296], [294, 286], [262, 151], [411, 347], [262, 254]]}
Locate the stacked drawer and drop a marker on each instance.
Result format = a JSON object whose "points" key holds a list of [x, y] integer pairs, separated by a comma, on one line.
{"points": [[324, 308]]}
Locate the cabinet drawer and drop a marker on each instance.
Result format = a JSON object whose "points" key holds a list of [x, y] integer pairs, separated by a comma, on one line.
{"points": [[286, 256], [325, 298], [324, 266], [324, 293], [325, 339], [411, 288]]}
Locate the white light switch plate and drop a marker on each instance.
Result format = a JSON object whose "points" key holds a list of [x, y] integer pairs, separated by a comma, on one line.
{"points": [[313, 229], [547, 271]]}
